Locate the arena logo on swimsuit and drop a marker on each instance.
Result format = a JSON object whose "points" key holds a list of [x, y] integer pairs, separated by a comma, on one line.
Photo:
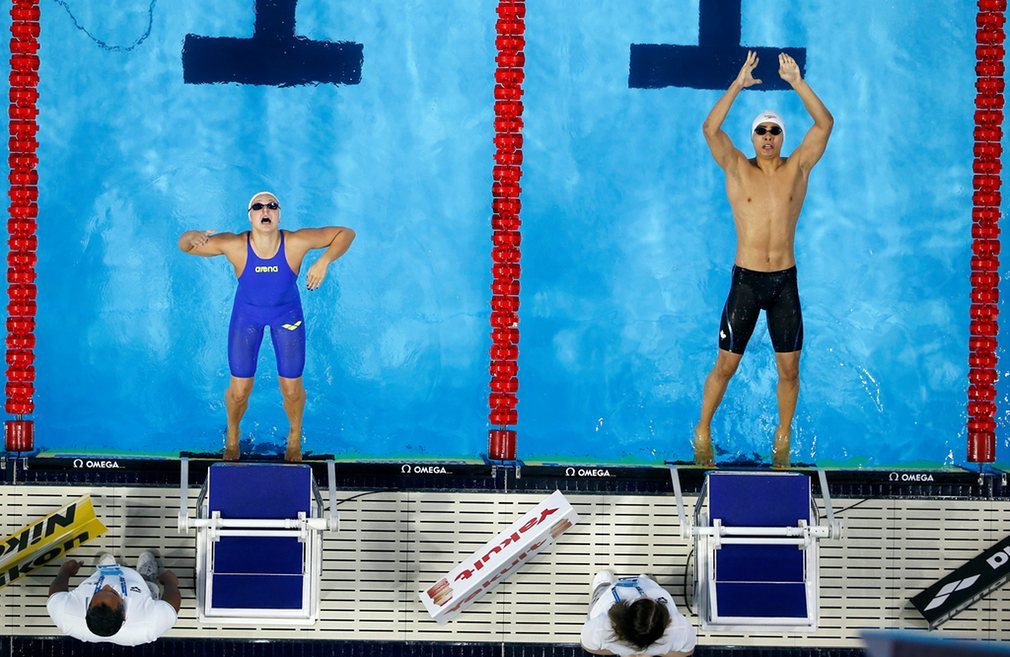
{"points": [[267, 269]]}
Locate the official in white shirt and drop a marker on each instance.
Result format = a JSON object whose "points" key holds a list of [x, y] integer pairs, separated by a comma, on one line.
{"points": [[635, 616], [116, 604]]}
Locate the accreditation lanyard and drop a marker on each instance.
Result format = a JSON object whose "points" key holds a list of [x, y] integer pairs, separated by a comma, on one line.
{"points": [[627, 582], [110, 571]]}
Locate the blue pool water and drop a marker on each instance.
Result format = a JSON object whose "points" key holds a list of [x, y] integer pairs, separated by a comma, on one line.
{"points": [[627, 236]]}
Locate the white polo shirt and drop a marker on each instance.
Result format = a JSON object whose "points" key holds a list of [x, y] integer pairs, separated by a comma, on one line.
{"points": [[146, 618], [598, 633]]}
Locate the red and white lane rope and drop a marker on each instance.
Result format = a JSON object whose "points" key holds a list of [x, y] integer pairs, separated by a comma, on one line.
{"points": [[505, 225], [984, 327], [21, 224]]}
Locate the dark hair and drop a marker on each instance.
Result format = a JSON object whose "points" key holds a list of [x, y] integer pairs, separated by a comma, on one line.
{"points": [[640, 623], [103, 620]]}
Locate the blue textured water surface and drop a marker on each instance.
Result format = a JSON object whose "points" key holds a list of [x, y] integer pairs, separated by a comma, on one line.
{"points": [[133, 332], [628, 238], [627, 235]]}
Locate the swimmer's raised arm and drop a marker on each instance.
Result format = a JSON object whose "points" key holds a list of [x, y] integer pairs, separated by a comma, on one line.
{"points": [[335, 239], [723, 150], [205, 242], [816, 139]]}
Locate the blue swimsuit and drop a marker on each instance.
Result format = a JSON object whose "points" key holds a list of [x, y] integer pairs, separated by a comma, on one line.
{"points": [[267, 295]]}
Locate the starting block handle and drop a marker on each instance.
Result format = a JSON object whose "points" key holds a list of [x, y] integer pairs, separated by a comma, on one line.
{"points": [[685, 528], [183, 520], [333, 522], [763, 531], [757, 540], [834, 526]]}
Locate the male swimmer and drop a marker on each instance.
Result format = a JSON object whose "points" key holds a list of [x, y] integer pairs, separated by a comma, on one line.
{"points": [[267, 261], [766, 194]]}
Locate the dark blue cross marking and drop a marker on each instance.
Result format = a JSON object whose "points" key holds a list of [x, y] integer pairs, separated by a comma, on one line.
{"points": [[714, 62], [273, 56]]}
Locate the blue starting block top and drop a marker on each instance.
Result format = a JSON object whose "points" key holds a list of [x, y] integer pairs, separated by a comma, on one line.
{"points": [[257, 592], [258, 491], [759, 563], [759, 580], [257, 555], [761, 600], [759, 500], [258, 572], [257, 561]]}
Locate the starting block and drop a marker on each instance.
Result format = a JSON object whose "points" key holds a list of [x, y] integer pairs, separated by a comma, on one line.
{"points": [[259, 542], [757, 551]]}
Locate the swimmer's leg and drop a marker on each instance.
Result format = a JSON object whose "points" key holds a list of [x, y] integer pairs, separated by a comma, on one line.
{"points": [[788, 391], [715, 387], [785, 327], [294, 406], [236, 401], [287, 332], [739, 317], [245, 333]]}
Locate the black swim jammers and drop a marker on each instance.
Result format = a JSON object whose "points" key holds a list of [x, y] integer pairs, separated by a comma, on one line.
{"points": [[776, 293]]}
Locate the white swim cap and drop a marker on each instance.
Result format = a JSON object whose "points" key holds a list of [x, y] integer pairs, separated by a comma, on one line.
{"points": [[248, 206], [768, 116]]}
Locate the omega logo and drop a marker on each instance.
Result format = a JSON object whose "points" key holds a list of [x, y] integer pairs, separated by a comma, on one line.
{"points": [[587, 472], [910, 476], [422, 469], [81, 463]]}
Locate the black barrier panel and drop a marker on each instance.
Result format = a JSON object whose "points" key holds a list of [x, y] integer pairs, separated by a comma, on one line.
{"points": [[171, 647], [891, 484], [966, 585], [600, 479], [412, 475], [415, 475]]}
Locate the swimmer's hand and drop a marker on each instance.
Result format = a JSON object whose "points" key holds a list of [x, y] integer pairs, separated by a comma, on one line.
{"points": [[197, 238], [316, 274], [789, 70], [745, 78]]}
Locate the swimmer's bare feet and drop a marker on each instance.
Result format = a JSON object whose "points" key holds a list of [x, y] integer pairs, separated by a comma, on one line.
{"points": [[231, 447], [703, 454], [780, 448], [293, 454], [231, 453]]}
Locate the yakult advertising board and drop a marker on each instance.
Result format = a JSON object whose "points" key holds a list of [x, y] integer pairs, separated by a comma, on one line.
{"points": [[498, 558]]}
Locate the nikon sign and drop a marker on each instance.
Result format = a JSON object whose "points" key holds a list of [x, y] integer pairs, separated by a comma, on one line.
{"points": [[47, 539]]}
